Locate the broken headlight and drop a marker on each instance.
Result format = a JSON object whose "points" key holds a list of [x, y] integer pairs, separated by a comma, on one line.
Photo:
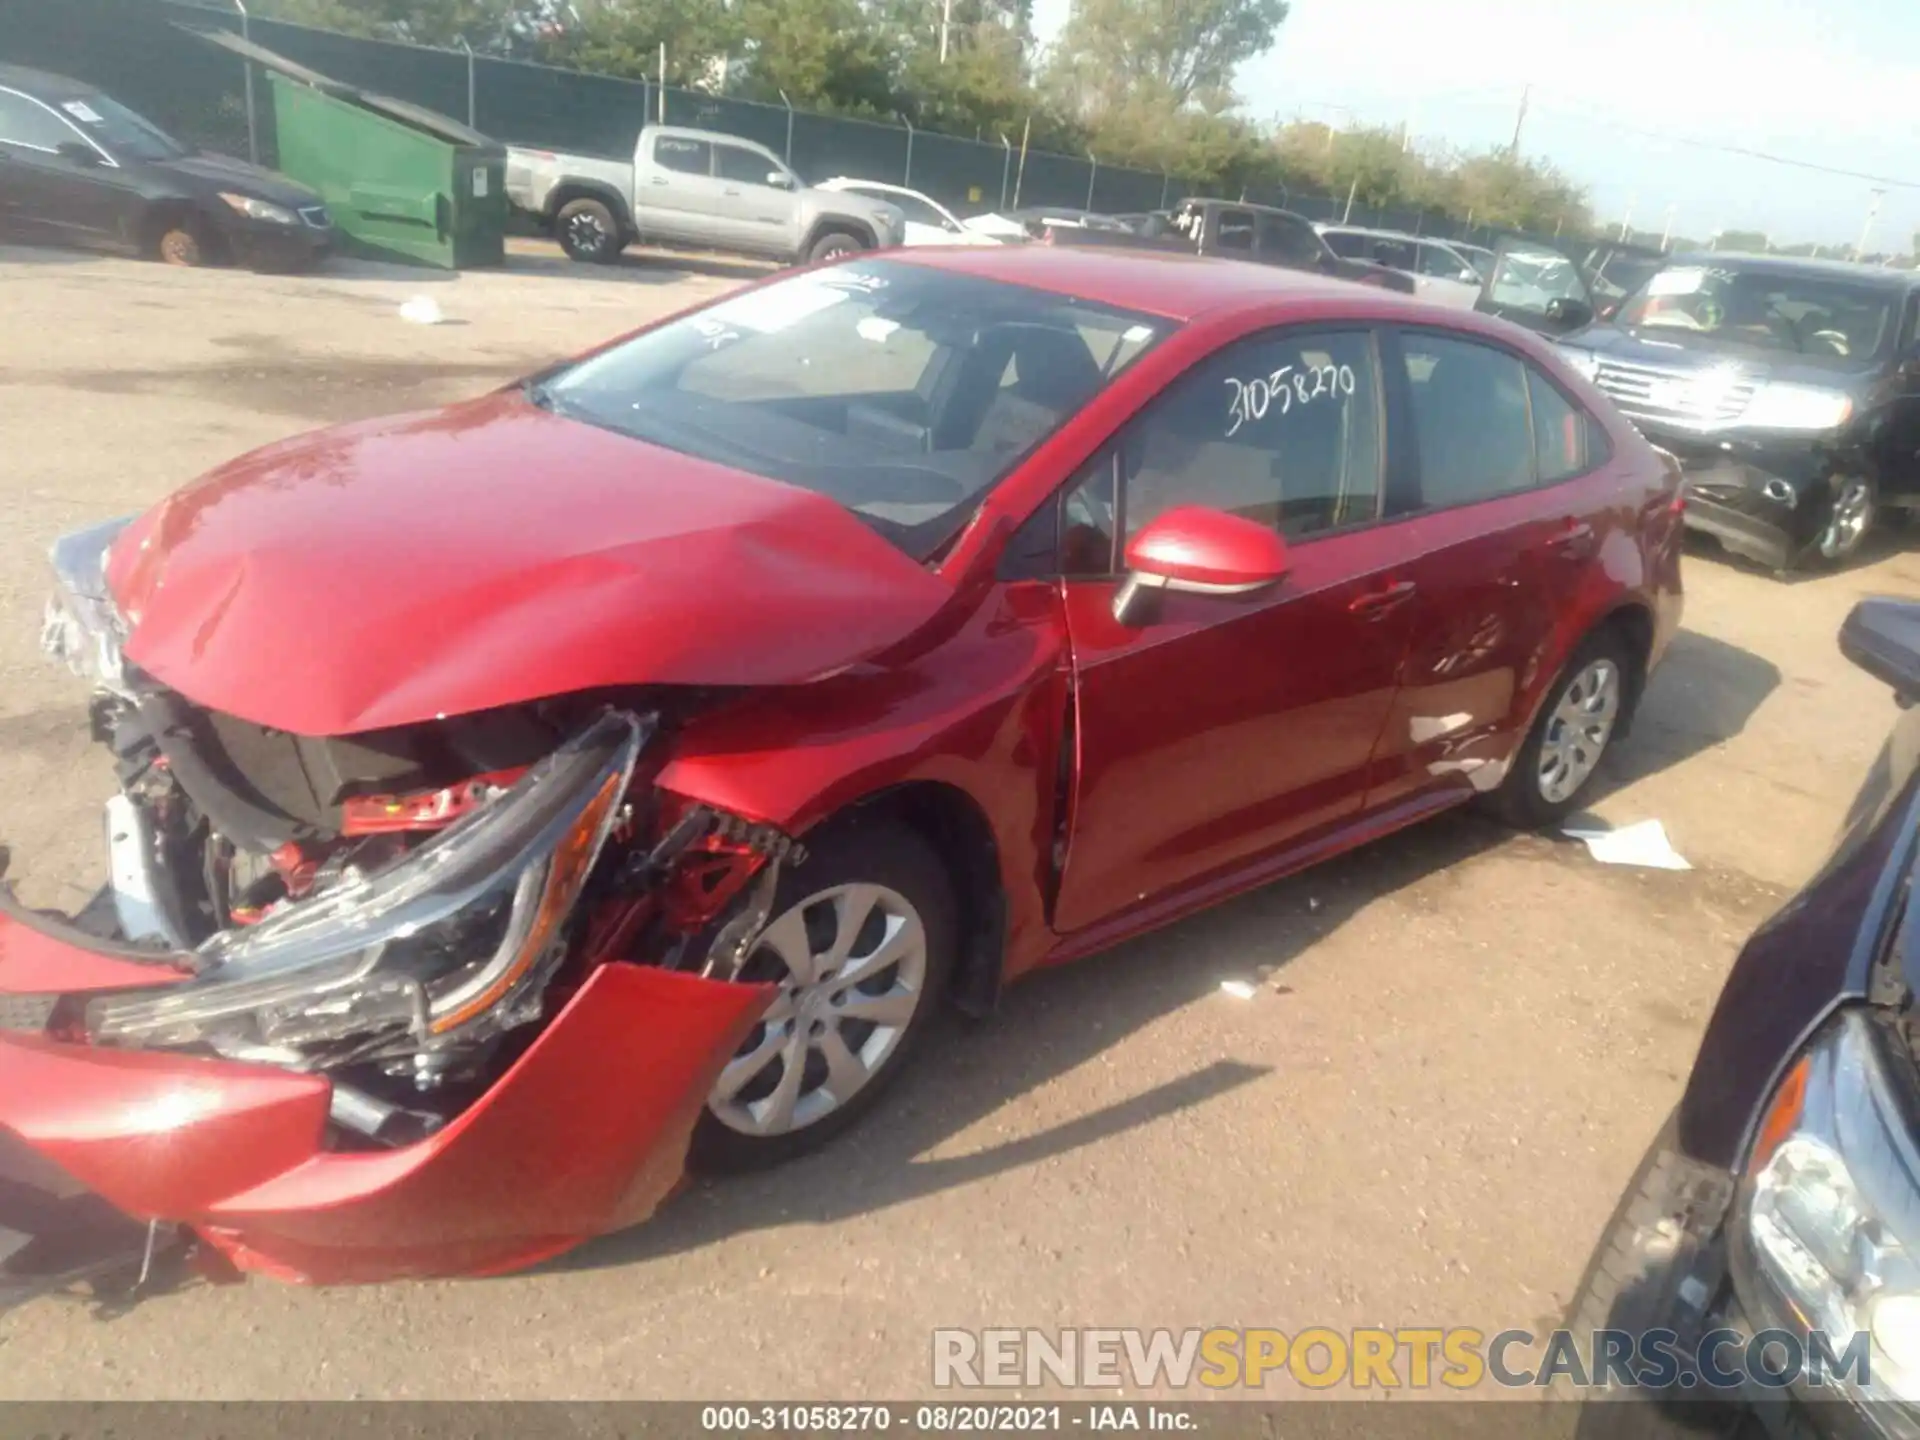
{"points": [[449, 944]]}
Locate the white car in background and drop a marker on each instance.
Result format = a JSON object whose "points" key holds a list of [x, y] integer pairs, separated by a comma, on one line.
{"points": [[928, 221], [1440, 273]]}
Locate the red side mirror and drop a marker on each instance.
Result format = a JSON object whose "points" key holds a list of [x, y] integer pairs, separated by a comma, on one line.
{"points": [[1201, 552]]}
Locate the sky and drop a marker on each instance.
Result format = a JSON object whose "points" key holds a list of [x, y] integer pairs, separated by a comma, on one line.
{"points": [[1834, 83]]}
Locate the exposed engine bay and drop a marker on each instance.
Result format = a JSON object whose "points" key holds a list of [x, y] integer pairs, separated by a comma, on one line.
{"points": [[400, 910]]}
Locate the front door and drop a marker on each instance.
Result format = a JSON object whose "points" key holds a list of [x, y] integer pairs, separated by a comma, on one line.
{"points": [[1215, 730], [760, 213], [1538, 285], [45, 194]]}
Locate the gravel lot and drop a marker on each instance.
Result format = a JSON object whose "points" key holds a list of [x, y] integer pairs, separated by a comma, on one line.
{"points": [[1461, 1044]]}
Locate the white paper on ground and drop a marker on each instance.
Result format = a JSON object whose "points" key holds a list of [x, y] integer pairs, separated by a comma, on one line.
{"points": [[1644, 844], [422, 310], [1239, 989]]}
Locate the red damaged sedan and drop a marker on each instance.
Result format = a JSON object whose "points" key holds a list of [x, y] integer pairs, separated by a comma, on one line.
{"points": [[520, 800]]}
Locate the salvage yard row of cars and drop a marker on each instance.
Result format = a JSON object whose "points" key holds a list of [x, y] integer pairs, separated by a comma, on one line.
{"points": [[873, 636]]}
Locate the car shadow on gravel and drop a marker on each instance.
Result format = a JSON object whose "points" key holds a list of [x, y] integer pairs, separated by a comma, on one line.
{"points": [[1064, 1018]]}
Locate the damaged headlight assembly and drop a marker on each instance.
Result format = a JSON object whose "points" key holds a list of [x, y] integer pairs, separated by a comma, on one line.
{"points": [[447, 946]]}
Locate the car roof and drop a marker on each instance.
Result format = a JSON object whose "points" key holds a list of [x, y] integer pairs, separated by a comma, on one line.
{"points": [[1803, 265], [874, 185], [1157, 282], [44, 84]]}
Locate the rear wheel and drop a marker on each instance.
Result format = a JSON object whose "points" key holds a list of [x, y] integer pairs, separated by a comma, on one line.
{"points": [[861, 941], [1576, 725], [588, 232]]}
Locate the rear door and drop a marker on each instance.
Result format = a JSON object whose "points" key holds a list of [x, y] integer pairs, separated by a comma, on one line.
{"points": [[1538, 285], [1497, 552], [761, 213]]}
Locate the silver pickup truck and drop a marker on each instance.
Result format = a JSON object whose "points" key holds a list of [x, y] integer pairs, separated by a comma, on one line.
{"points": [[693, 189]]}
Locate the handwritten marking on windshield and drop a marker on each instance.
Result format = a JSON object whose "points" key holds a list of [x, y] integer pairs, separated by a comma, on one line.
{"points": [[1288, 386]]}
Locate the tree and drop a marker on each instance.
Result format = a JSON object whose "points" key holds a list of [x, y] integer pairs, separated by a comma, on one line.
{"points": [[1167, 53], [493, 25], [623, 37], [829, 54], [1742, 240]]}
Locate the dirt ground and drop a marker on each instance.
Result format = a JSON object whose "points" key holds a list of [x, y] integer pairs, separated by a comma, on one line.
{"points": [[1461, 1042]]}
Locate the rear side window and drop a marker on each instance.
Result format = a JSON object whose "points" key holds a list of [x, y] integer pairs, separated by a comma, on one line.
{"points": [[689, 157], [1282, 429], [26, 122], [1567, 441], [1470, 419], [1394, 254]]}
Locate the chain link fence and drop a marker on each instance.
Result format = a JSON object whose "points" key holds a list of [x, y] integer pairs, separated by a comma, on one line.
{"points": [[142, 52]]}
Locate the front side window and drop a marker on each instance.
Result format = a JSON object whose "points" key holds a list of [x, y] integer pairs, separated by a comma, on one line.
{"points": [[1282, 429], [123, 133], [1346, 244], [1443, 264], [741, 166], [1530, 279], [1470, 419], [28, 123], [1762, 308], [1236, 230], [689, 157], [1394, 254], [901, 391], [1288, 239]]}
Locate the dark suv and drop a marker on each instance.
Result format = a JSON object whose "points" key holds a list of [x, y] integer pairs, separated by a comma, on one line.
{"points": [[1788, 388], [79, 168]]}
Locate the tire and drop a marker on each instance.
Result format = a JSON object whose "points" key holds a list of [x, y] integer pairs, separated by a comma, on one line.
{"points": [[834, 244], [1531, 796], [588, 232], [181, 243], [854, 864], [1660, 1236], [1850, 519]]}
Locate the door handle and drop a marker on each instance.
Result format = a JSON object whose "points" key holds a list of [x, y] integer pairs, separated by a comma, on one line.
{"points": [[1575, 541], [1376, 604], [729, 191], [658, 180]]}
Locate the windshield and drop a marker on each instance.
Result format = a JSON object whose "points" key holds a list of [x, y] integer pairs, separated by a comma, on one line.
{"points": [[1765, 309], [123, 134], [903, 392]]}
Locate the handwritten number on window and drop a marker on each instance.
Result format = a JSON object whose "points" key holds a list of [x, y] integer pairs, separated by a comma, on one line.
{"points": [[1250, 400]]}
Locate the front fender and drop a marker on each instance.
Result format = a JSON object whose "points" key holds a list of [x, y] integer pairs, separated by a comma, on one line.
{"points": [[981, 712]]}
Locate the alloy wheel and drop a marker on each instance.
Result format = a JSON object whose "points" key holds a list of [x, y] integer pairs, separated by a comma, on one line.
{"points": [[1578, 730], [1849, 520], [587, 235], [851, 964]]}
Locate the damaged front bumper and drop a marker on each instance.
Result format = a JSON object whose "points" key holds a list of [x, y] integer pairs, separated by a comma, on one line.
{"points": [[584, 1134], [435, 1057]]}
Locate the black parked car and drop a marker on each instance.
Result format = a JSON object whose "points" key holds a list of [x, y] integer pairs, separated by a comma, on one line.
{"points": [[1788, 388], [1784, 1194], [1236, 230], [79, 168]]}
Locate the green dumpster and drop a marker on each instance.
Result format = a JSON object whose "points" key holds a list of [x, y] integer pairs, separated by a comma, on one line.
{"points": [[402, 182]]}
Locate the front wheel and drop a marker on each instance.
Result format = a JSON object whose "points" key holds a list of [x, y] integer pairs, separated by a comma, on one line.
{"points": [[1574, 729], [180, 243], [1856, 507], [860, 943], [588, 232], [833, 245]]}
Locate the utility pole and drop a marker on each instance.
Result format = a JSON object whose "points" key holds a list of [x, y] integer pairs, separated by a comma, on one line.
{"points": [[1519, 121], [1666, 235], [1867, 229], [1626, 225], [946, 24]]}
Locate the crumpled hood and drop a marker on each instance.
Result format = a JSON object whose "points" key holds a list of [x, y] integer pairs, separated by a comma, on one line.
{"points": [[492, 553]]}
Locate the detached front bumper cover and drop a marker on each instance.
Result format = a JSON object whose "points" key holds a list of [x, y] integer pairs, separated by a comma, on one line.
{"points": [[412, 964]]}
